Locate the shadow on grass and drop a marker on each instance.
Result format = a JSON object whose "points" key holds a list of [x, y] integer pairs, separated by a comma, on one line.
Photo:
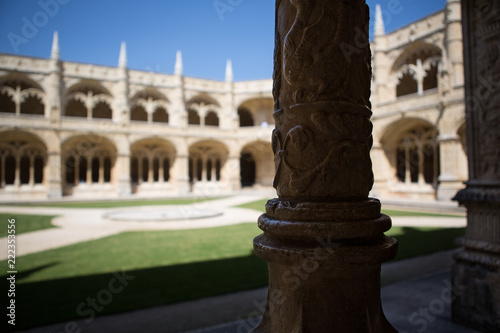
{"points": [[52, 301]]}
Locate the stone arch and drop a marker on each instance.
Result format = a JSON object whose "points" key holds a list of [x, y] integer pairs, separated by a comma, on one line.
{"points": [[151, 160], [87, 160], [245, 117], [203, 110], [149, 105], [23, 157], [416, 69], [206, 160], [256, 164], [88, 99], [412, 149], [21, 95], [256, 111]]}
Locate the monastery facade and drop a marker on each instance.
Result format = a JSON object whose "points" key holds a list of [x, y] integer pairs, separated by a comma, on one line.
{"points": [[86, 131]]}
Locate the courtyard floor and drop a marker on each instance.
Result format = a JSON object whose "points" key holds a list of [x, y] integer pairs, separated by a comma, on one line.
{"points": [[417, 281]]}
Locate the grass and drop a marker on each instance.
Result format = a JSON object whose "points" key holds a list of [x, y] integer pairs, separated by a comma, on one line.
{"points": [[260, 206], [24, 223], [167, 266], [117, 204]]}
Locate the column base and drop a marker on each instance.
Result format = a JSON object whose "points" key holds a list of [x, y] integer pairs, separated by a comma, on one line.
{"points": [[324, 274], [477, 289]]}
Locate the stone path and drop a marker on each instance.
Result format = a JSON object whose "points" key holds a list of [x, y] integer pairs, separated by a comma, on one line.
{"points": [[78, 225]]}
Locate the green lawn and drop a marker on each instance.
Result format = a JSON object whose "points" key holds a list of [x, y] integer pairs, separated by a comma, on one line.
{"points": [[25, 223], [167, 266], [260, 206], [117, 204]]}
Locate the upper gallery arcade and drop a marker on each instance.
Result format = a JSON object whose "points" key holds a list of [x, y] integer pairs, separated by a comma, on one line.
{"points": [[81, 130]]}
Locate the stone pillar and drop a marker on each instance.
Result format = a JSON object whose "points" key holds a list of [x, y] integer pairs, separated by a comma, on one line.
{"points": [[323, 236], [451, 177], [89, 170], [454, 43], [122, 172], [52, 172], [179, 169], [476, 272]]}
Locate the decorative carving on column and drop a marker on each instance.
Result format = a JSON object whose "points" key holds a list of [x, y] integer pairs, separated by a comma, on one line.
{"points": [[323, 237], [477, 265]]}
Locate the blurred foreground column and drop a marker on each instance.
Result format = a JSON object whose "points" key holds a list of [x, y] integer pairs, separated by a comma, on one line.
{"points": [[323, 237], [476, 272]]}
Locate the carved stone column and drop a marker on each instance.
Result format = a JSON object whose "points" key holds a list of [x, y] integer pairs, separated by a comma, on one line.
{"points": [[323, 237], [477, 266]]}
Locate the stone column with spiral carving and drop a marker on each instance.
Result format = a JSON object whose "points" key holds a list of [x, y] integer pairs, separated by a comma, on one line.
{"points": [[476, 272], [323, 237]]}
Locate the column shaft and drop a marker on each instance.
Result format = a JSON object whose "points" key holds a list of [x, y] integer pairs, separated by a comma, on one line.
{"points": [[32, 171], [101, 170], [89, 170], [17, 175], [323, 238], [476, 272]]}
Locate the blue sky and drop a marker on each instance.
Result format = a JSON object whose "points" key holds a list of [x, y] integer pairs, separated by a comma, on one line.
{"points": [[206, 31]]}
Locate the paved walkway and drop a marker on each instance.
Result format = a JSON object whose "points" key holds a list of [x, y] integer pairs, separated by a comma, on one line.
{"points": [[78, 225]]}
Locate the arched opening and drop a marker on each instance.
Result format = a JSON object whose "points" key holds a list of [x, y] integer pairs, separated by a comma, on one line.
{"points": [[193, 117], [89, 161], [39, 163], [22, 159], [88, 99], [138, 114], [95, 170], [209, 170], [160, 116], [417, 68], [417, 156], [211, 119], [70, 164], [407, 85], [82, 170], [24, 169], [431, 77], [76, 108], [145, 170], [10, 170], [102, 111], [256, 111], [206, 162], [7, 104], [134, 170], [21, 96], [247, 170], [150, 163], [33, 105], [246, 119]]}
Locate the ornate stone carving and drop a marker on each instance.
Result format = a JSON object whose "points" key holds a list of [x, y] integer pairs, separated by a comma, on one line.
{"points": [[478, 264], [330, 109], [323, 218]]}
